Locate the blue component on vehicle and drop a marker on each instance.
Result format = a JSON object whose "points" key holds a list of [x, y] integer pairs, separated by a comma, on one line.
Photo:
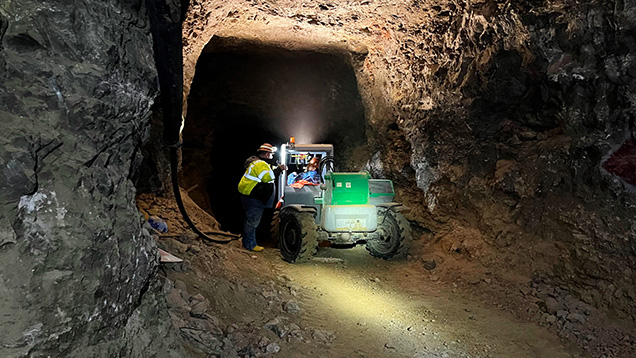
{"points": [[291, 178]]}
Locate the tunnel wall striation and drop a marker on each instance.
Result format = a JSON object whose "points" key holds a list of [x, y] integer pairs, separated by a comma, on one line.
{"points": [[540, 96], [77, 273], [495, 119]]}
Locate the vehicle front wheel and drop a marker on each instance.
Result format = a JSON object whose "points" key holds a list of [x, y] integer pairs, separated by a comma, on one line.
{"points": [[393, 236], [298, 236]]}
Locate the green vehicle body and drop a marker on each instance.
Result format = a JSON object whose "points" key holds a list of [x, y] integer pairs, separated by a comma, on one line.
{"points": [[346, 209]]}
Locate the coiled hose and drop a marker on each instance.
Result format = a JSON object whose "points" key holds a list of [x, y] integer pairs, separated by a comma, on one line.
{"points": [[326, 164]]}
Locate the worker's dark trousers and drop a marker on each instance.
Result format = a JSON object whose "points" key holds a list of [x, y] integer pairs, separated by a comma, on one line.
{"points": [[253, 212]]}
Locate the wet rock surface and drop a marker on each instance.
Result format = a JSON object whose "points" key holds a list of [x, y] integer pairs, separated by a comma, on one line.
{"points": [[76, 269]]}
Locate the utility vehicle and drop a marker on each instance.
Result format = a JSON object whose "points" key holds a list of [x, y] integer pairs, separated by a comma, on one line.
{"points": [[344, 209]]}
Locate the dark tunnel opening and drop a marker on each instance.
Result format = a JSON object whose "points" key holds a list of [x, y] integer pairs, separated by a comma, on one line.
{"points": [[243, 95]]}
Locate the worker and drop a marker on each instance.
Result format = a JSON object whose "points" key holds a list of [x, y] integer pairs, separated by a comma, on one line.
{"points": [[257, 191], [310, 175]]}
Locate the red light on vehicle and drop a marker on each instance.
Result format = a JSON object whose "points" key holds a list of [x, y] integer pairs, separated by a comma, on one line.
{"points": [[292, 140]]}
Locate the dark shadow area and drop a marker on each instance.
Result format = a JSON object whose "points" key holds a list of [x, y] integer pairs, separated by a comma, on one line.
{"points": [[244, 95]]}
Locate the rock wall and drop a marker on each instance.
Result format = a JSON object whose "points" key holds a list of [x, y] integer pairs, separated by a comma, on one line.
{"points": [[545, 96], [76, 268], [495, 119]]}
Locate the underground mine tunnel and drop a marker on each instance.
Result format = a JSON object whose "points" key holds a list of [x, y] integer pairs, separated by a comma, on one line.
{"points": [[245, 94], [507, 127]]}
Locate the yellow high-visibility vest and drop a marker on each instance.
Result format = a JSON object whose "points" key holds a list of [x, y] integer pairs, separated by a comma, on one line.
{"points": [[258, 171]]}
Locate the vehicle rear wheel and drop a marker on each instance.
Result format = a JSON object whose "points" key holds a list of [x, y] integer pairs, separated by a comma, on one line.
{"points": [[393, 237], [298, 237]]}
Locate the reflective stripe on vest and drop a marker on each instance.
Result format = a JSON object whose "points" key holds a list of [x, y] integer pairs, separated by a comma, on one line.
{"points": [[260, 176]]}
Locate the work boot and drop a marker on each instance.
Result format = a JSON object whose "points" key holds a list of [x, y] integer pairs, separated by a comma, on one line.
{"points": [[258, 248]]}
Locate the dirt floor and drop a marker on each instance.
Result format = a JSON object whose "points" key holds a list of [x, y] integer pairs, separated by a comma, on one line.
{"points": [[229, 302], [393, 309]]}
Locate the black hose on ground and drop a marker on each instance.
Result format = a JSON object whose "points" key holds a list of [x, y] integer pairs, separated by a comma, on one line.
{"points": [[174, 163], [166, 17]]}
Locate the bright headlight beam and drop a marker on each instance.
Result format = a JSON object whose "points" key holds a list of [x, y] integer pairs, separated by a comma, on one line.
{"points": [[283, 154]]}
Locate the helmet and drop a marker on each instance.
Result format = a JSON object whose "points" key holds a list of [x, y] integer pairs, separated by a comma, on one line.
{"points": [[314, 161], [266, 147]]}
